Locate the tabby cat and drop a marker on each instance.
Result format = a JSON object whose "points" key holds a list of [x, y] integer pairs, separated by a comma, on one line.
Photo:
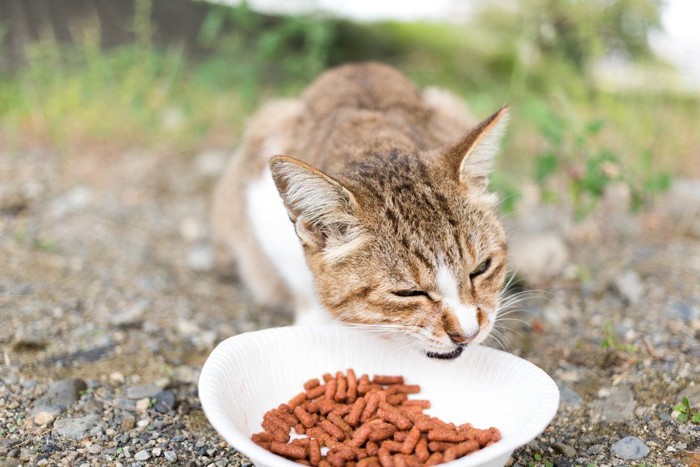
{"points": [[366, 201]]}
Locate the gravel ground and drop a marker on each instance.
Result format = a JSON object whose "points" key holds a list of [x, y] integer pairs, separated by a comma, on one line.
{"points": [[110, 303]]}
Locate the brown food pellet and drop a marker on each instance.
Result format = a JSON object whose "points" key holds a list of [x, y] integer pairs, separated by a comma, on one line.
{"points": [[365, 423], [314, 451], [297, 400], [312, 383], [341, 390], [288, 450], [352, 386], [313, 393], [422, 452], [411, 441], [386, 380]]}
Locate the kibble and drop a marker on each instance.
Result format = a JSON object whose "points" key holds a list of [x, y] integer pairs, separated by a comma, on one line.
{"points": [[365, 422]]}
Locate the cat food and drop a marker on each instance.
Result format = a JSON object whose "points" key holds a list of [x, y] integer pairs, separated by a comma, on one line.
{"points": [[363, 422]]}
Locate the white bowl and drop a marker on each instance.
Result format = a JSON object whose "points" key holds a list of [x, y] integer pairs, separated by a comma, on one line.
{"points": [[251, 373]]}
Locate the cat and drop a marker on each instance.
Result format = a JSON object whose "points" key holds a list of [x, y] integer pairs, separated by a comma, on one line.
{"points": [[366, 201]]}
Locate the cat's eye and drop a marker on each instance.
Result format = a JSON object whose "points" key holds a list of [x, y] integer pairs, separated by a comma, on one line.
{"points": [[411, 293], [480, 269]]}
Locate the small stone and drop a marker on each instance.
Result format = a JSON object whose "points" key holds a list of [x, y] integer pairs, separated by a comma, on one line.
{"points": [[93, 406], [95, 449], [76, 199], [630, 448], [25, 339], [165, 401], [44, 418], [170, 456], [131, 317], [565, 450], [143, 404], [682, 311], [142, 423], [128, 423], [156, 452], [569, 396], [75, 427], [629, 286], [200, 257], [60, 395], [615, 404], [211, 163], [116, 377], [538, 257], [142, 391], [14, 452], [142, 455], [595, 449]]}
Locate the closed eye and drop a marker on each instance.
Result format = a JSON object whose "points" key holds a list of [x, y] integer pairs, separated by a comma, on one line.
{"points": [[411, 293], [480, 269]]}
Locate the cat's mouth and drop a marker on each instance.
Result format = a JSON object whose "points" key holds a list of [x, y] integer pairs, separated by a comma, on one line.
{"points": [[448, 355]]}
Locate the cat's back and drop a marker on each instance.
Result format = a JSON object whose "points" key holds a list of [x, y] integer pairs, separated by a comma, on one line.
{"points": [[362, 86]]}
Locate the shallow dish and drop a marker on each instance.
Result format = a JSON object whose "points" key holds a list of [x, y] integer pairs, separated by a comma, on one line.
{"points": [[248, 374]]}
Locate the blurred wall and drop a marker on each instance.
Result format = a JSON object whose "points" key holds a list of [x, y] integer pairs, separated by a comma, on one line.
{"points": [[26, 21]]}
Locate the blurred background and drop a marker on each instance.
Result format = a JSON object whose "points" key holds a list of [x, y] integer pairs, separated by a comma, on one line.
{"points": [[117, 118], [602, 91]]}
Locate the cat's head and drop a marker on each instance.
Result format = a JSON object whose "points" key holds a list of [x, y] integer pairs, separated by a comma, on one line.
{"points": [[409, 239]]}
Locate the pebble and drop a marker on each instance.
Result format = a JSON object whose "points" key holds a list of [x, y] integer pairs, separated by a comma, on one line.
{"points": [[614, 405], [75, 427], [76, 199], [142, 391], [60, 395], [568, 396], [44, 418], [537, 257], [128, 423], [170, 456], [630, 448], [629, 286], [200, 257], [565, 450], [165, 401], [28, 339], [682, 311], [143, 404], [131, 317], [142, 455], [156, 452]]}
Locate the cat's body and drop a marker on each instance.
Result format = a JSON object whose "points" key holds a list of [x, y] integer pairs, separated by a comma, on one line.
{"points": [[390, 215]]}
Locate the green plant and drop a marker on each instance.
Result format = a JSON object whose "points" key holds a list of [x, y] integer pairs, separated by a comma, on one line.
{"points": [[611, 342], [686, 412], [588, 167], [539, 461]]}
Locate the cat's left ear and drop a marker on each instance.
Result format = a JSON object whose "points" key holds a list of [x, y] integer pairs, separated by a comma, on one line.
{"points": [[472, 158]]}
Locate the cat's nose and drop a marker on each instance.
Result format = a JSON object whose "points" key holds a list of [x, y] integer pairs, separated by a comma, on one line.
{"points": [[461, 338]]}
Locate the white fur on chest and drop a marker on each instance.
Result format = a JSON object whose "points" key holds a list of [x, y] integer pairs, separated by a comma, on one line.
{"points": [[275, 234]]}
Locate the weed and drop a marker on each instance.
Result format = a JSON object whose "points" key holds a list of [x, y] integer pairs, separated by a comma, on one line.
{"points": [[611, 342], [685, 412]]}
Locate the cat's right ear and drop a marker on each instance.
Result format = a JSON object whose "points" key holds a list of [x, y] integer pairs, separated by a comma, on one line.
{"points": [[322, 210], [472, 158]]}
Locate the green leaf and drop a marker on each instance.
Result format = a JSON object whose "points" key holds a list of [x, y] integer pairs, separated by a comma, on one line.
{"points": [[696, 418], [538, 457], [593, 127], [683, 417], [545, 165]]}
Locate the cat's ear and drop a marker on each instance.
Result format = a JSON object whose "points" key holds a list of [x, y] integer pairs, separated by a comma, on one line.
{"points": [[322, 210], [473, 156]]}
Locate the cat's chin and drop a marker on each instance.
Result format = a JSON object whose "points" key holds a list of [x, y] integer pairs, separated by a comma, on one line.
{"points": [[447, 355]]}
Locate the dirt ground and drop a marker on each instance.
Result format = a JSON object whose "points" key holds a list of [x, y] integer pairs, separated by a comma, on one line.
{"points": [[107, 281]]}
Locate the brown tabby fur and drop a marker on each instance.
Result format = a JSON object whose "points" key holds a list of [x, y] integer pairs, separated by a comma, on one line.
{"points": [[391, 187]]}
